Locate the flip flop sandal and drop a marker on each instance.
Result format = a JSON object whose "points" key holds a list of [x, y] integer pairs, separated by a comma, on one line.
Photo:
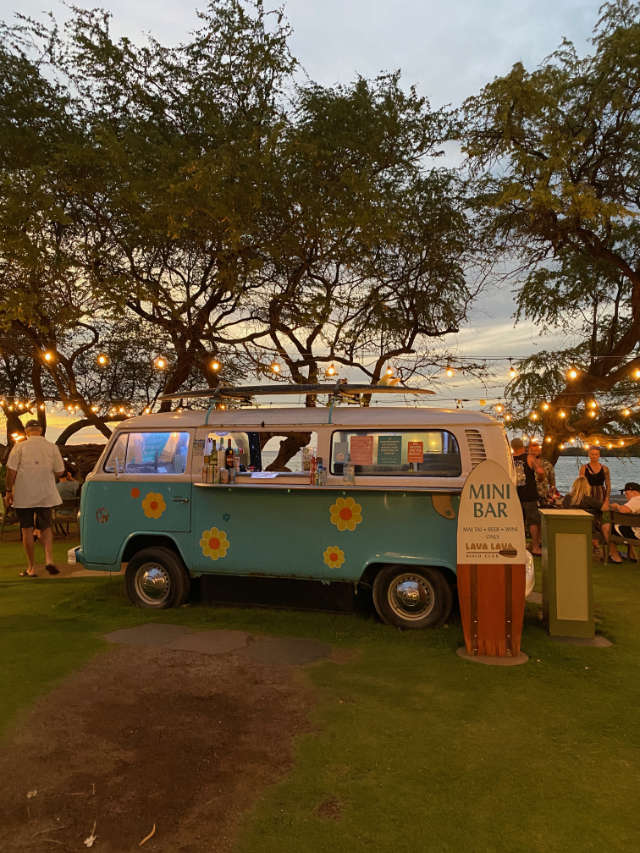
{"points": [[52, 569], [26, 574]]}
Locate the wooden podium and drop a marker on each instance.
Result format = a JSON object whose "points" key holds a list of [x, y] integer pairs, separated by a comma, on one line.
{"points": [[491, 563]]}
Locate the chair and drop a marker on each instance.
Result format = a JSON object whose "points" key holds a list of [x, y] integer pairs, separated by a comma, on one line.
{"points": [[64, 515]]}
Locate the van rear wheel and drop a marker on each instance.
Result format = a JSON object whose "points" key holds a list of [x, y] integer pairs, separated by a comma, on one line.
{"points": [[412, 597], [156, 578]]}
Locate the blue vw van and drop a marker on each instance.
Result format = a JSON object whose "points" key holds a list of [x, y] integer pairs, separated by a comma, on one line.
{"points": [[385, 517]]}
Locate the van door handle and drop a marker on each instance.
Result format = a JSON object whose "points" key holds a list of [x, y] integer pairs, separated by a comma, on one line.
{"points": [[181, 500]]}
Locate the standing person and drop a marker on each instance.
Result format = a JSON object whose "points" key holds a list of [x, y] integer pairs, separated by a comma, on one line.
{"points": [[527, 474], [598, 475], [32, 468], [547, 483]]}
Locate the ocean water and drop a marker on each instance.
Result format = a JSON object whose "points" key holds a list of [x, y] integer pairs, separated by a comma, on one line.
{"points": [[622, 470]]}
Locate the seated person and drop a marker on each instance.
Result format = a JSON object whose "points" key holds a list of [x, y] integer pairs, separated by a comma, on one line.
{"points": [[581, 497], [632, 494], [68, 486]]}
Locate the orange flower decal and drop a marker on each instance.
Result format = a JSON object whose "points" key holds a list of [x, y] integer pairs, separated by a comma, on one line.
{"points": [[333, 557], [346, 514], [214, 543], [135, 492], [153, 505]]}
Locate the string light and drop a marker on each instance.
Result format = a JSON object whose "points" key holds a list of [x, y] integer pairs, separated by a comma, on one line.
{"points": [[626, 413], [389, 371], [499, 408], [449, 371], [547, 439], [214, 365], [49, 356], [331, 370], [593, 414], [592, 404], [572, 373], [545, 407], [636, 373], [275, 367], [562, 413], [534, 416], [512, 371], [102, 359], [160, 362]]}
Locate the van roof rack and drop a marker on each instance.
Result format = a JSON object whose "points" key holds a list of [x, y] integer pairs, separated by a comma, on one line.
{"points": [[246, 392]]}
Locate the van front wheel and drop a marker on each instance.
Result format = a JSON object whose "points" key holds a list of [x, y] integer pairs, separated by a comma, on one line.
{"points": [[156, 578], [408, 597]]}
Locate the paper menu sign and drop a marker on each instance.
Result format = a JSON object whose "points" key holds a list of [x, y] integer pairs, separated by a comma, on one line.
{"points": [[390, 450], [361, 449], [340, 451], [415, 451]]}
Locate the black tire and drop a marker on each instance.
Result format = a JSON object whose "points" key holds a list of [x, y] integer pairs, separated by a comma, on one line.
{"points": [[156, 578], [412, 597]]}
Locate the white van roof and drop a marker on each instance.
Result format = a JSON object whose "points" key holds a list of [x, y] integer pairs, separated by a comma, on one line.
{"points": [[362, 416]]}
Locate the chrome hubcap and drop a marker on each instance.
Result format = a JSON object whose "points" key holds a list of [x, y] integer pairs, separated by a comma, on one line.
{"points": [[411, 596], [153, 583]]}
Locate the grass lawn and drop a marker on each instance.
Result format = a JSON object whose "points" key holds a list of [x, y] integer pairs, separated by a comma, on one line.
{"points": [[413, 748]]}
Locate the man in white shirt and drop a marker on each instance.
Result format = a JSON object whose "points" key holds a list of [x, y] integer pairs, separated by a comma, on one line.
{"points": [[632, 494], [32, 468]]}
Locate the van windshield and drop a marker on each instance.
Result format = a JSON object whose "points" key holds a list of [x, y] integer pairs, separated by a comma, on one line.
{"points": [[149, 453]]}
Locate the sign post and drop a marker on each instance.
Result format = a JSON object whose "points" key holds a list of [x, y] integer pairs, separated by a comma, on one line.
{"points": [[491, 563]]}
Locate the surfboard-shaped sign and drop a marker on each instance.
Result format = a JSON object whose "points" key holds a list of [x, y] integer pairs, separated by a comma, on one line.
{"points": [[491, 562]]}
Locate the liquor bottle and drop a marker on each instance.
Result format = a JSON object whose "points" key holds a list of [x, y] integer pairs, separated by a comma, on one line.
{"points": [[236, 460], [220, 456], [349, 471], [321, 474], [206, 459], [313, 467], [228, 456]]}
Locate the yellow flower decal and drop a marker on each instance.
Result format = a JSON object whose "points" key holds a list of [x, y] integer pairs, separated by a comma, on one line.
{"points": [[214, 543], [346, 514], [153, 505], [333, 557]]}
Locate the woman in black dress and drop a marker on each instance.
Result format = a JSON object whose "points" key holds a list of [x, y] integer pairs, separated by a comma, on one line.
{"points": [[597, 475]]}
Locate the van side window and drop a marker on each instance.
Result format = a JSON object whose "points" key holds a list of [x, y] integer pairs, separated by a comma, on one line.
{"points": [[149, 453], [406, 453], [289, 452]]}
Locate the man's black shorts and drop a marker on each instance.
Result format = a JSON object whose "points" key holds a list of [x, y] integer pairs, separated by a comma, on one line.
{"points": [[41, 514]]}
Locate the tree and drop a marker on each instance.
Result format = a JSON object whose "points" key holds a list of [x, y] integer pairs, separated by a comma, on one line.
{"points": [[195, 191], [555, 155], [367, 262]]}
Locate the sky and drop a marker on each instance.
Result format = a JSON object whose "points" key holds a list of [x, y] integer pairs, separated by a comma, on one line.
{"points": [[448, 51]]}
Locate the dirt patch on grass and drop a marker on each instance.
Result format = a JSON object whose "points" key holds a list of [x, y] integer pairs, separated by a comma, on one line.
{"points": [[145, 736]]}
